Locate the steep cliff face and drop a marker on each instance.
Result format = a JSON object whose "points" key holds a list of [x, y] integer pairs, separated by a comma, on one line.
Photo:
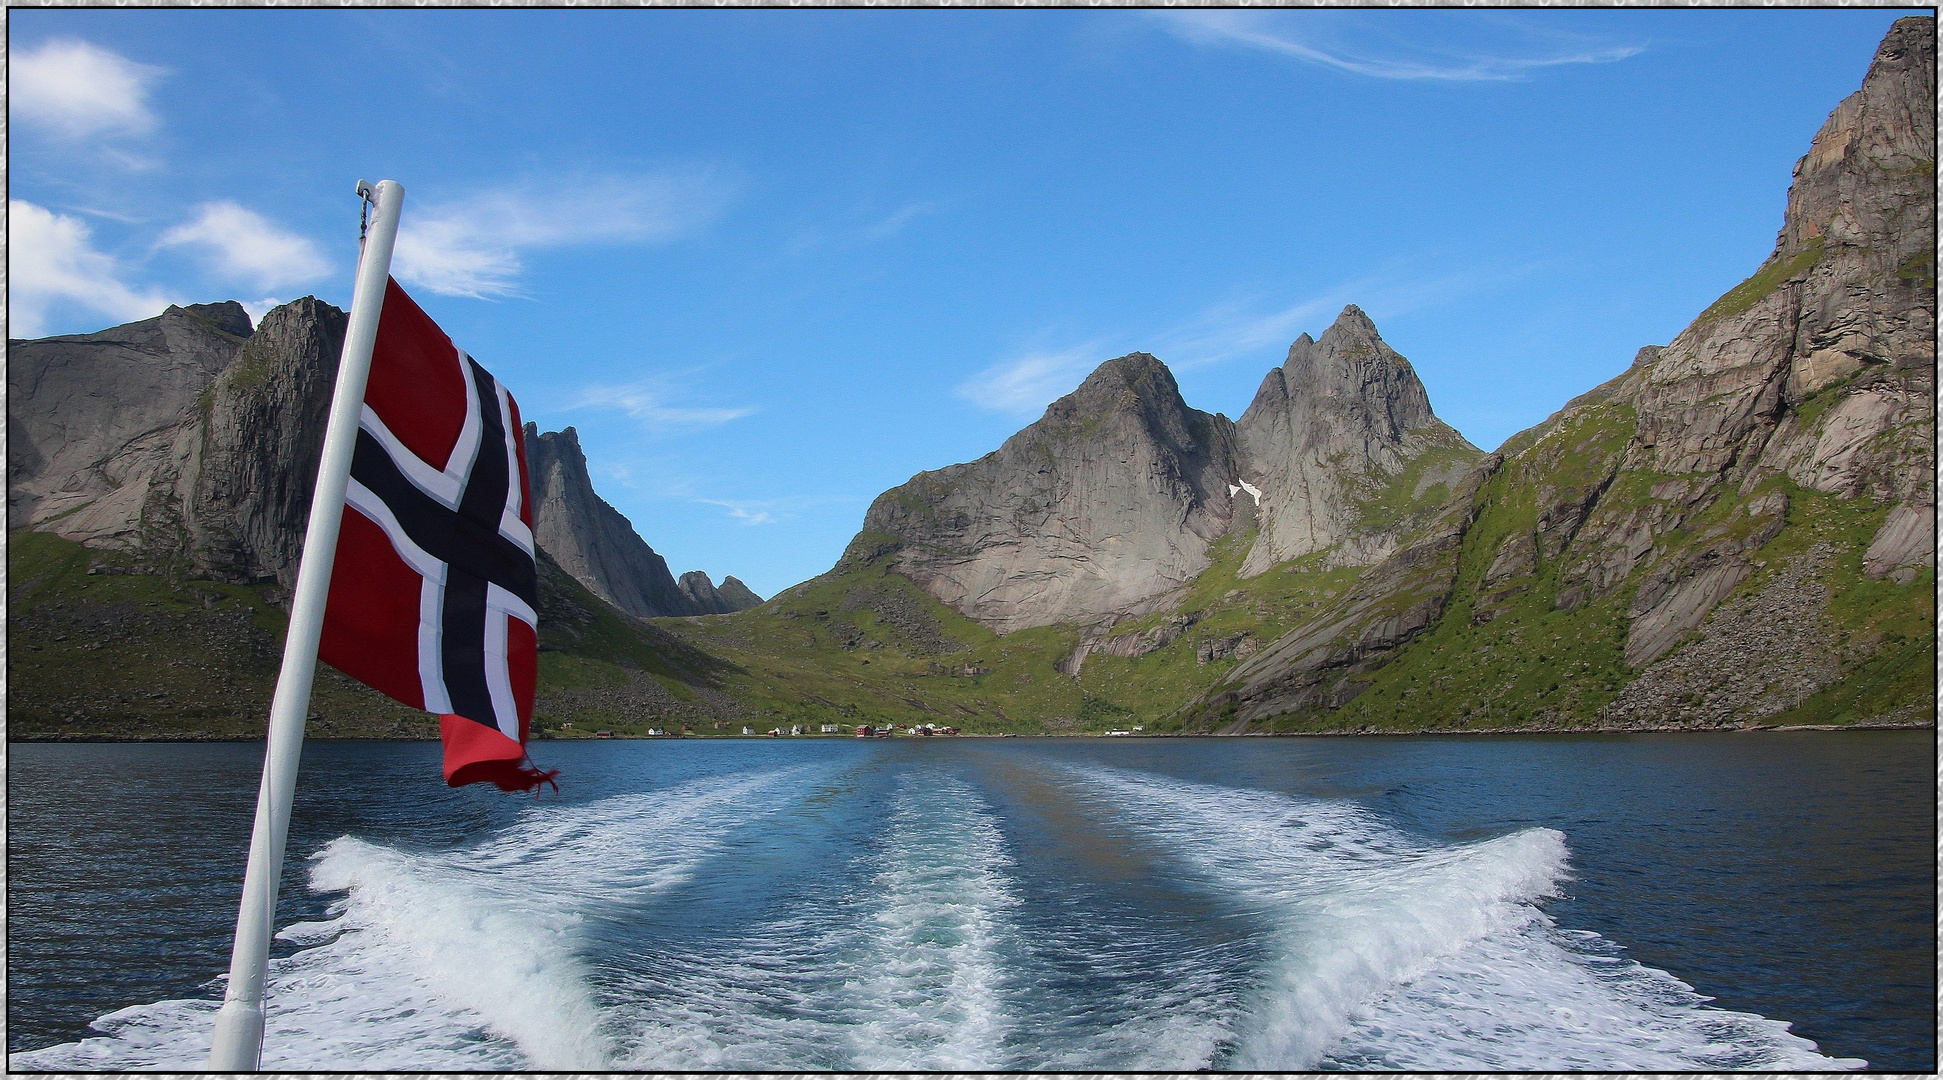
{"points": [[589, 538], [93, 418], [1104, 506], [247, 462], [1341, 442]]}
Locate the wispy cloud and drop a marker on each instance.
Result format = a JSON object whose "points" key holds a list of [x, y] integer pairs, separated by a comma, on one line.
{"points": [[872, 231], [475, 246], [51, 260], [744, 512], [1235, 328], [1356, 43], [246, 245], [657, 403], [1025, 384], [1232, 329], [81, 91], [894, 222]]}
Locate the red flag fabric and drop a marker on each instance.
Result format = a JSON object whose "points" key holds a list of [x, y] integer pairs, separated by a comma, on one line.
{"points": [[433, 591]]}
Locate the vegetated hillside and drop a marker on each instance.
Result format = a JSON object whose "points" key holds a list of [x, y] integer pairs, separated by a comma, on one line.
{"points": [[1739, 528], [101, 648]]}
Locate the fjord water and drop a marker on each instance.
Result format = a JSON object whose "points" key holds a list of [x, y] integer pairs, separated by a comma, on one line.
{"points": [[1582, 902]]}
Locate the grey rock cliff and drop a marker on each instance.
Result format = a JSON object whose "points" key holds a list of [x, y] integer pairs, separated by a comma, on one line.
{"points": [[93, 418], [706, 599], [1822, 366], [193, 442], [1328, 432], [247, 464], [590, 539], [1107, 504]]}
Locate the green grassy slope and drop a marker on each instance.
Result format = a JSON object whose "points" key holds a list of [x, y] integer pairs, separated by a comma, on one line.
{"points": [[864, 644], [98, 651]]}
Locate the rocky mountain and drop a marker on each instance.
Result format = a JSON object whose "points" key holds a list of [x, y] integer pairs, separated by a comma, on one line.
{"points": [[706, 599], [1778, 451], [93, 417], [187, 440], [589, 538], [1345, 451], [1106, 507], [184, 448], [1739, 528], [1108, 503]]}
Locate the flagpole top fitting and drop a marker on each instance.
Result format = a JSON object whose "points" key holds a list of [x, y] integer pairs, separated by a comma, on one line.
{"points": [[365, 191]]}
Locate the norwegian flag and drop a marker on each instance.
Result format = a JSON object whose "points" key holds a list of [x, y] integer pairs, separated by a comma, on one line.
{"points": [[434, 586]]}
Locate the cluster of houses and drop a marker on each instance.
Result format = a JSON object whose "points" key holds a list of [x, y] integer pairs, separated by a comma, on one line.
{"points": [[862, 731]]}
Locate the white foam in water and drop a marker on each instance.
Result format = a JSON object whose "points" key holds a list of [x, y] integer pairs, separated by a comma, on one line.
{"points": [[901, 965], [1395, 954], [450, 960], [926, 991]]}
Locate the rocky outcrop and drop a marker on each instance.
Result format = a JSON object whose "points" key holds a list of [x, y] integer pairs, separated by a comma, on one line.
{"points": [[93, 419], [1820, 367], [590, 539], [1134, 643], [1842, 314], [1329, 435], [706, 599], [1758, 655], [736, 595], [246, 466], [1106, 505]]}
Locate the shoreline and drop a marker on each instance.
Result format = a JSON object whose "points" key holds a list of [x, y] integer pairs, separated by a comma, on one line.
{"points": [[1668, 729]]}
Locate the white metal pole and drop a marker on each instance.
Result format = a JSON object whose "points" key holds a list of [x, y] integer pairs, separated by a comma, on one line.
{"points": [[238, 1043]]}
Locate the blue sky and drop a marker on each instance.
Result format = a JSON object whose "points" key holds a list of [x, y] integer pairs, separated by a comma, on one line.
{"points": [[771, 263]]}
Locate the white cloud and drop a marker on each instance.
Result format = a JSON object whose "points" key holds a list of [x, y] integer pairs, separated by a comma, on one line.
{"points": [[852, 235], [474, 247], [894, 222], [50, 260], [653, 401], [1512, 51], [1229, 330], [1026, 384], [79, 91], [244, 244], [746, 513]]}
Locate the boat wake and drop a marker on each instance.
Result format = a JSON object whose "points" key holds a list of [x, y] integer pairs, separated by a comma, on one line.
{"points": [[1384, 952], [878, 919], [900, 963], [468, 959]]}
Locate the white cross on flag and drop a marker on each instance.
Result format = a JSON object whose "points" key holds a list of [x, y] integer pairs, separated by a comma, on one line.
{"points": [[434, 585]]}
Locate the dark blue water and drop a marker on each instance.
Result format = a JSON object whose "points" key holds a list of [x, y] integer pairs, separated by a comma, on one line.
{"points": [[1646, 902]]}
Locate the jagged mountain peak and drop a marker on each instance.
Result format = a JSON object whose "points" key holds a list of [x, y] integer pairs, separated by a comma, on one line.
{"points": [[1327, 432], [1136, 382], [1881, 140], [1353, 365], [1105, 504]]}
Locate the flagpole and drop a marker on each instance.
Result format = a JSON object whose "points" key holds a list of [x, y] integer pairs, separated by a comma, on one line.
{"points": [[238, 1042]]}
